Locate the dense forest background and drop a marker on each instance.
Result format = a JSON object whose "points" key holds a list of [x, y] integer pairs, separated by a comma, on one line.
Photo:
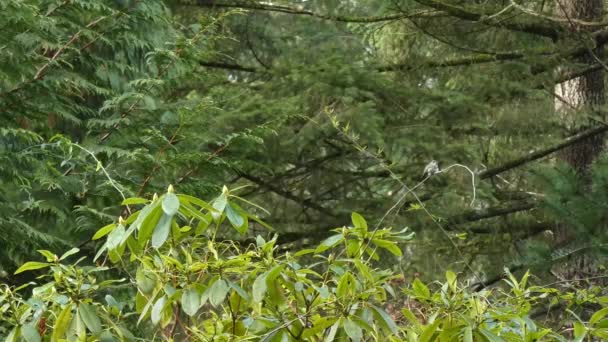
{"points": [[315, 109]]}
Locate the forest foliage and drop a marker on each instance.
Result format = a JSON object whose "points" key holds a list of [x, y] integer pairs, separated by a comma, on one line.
{"points": [[309, 112]]}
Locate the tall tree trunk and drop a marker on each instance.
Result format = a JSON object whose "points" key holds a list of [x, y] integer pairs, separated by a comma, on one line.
{"points": [[575, 99]]}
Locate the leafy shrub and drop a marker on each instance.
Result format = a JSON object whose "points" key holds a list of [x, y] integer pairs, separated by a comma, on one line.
{"points": [[182, 281]]}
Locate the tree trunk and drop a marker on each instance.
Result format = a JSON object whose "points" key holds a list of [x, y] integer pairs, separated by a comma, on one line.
{"points": [[574, 100]]}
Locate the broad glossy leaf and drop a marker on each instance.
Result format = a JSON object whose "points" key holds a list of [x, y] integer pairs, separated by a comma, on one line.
{"points": [[134, 200], [157, 310], [62, 323], [259, 288], [218, 292], [170, 204], [318, 326], [69, 253], [30, 333], [384, 319], [359, 221], [329, 243], [197, 201], [490, 336], [235, 218], [429, 332], [50, 256], [219, 204], [239, 290], [90, 318], [597, 316], [451, 278], [32, 265], [389, 246], [116, 237], [161, 232], [420, 290], [331, 335], [345, 285], [191, 301], [149, 223], [146, 281], [353, 330]]}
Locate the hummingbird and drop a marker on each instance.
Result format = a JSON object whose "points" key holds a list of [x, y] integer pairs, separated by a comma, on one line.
{"points": [[431, 169]]}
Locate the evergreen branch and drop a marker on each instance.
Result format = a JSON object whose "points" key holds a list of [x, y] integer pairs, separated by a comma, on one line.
{"points": [[464, 61], [477, 215], [40, 72], [549, 31], [304, 202], [228, 66], [544, 152], [258, 6]]}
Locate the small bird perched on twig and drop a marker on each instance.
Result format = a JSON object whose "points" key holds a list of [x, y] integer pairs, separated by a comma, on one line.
{"points": [[431, 169]]}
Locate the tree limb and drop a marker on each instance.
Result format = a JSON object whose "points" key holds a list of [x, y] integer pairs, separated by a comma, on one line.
{"points": [[543, 153], [477, 215], [536, 28], [258, 6]]}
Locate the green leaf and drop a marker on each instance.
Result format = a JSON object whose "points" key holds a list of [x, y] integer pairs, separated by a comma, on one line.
{"points": [[329, 243], [146, 281], [428, 332], [69, 253], [389, 246], [580, 331], [597, 316], [170, 204], [353, 330], [384, 319], [420, 290], [116, 237], [489, 335], [30, 333], [331, 335], [104, 231], [12, 336], [345, 285], [148, 223], [157, 310], [63, 322], [318, 325], [452, 279], [50, 256], [194, 200], [359, 221], [31, 265], [219, 204], [259, 288], [134, 200], [239, 290], [161, 232], [218, 292], [409, 315], [191, 301], [235, 218], [467, 334], [90, 318], [274, 273]]}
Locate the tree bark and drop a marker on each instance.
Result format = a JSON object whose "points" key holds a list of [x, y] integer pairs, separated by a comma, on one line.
{"points": [[575, 99], [582, 94]]}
